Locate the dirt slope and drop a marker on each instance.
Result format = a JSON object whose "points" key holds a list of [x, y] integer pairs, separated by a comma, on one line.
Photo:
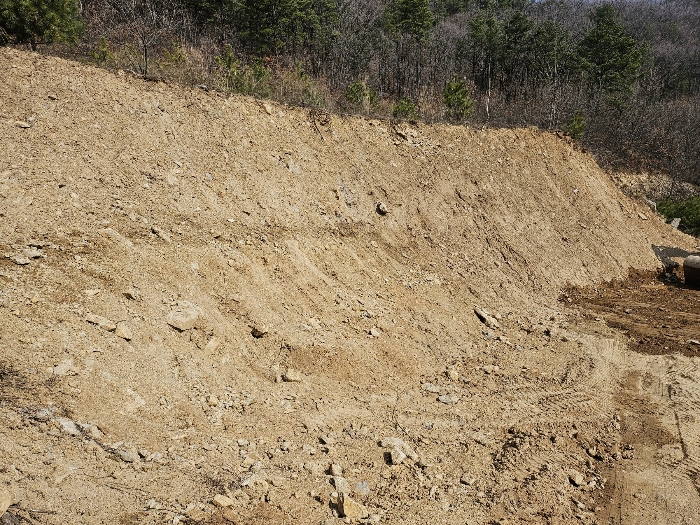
{"points": [[261, 225]]}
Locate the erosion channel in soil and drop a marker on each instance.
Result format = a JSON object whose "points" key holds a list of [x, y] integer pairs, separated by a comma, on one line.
{"points": [[215, 309]]}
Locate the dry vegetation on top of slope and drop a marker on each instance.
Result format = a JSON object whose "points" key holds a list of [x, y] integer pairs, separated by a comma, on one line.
{"points": [[314, 325]]}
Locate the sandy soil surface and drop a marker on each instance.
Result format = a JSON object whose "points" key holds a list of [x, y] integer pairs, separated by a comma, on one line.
{"points": [[219, 310]]}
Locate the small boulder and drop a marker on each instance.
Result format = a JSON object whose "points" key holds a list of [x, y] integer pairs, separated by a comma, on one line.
{"points": [[184, 316], [349, 508], [102, 322], [5, 500], [292, 376]]}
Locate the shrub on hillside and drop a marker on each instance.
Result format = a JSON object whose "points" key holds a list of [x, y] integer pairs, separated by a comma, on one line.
{"points": [[362, 96], [405, 108], [457, 97], [687, 210]]}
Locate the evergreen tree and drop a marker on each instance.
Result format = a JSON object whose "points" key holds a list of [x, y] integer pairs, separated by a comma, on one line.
{"points": [[611, 58], [410, 17], [41, 21]]}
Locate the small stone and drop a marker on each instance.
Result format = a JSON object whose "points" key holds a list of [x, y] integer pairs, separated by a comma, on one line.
{"points": [[452, 373], [128, 455], [144, 453], [642, 216], [242, 442], [327, 440], [397, 456], [490, 369], [222, 501], [399, 444], [485, 318], [5, 501], [91, 430], [449, 399], [162, 234], [212, 345], [382, 209], [277, 481], [375, 332], [32, 253], [341, 485], [694, 342], [362, 488], [259, 331], [429, 387], [292, 376], [576, 478], [123, 331], [212, 400], [315, 468], [43, 414], [349, 508], [22, 124], [285, 446], [68, 426], [132, 295], [114, 235], [20, 260], [466, 479], [309, 449], [183, 317], [63, 368], [102, 322], [268, 108], [336, 470]]}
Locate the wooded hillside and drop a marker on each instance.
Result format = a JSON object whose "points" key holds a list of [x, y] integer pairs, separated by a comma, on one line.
{"points": [[624, 78]]}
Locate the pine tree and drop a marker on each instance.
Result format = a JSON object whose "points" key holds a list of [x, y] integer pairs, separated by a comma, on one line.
{"points": [[41, 21], [611, 58]]}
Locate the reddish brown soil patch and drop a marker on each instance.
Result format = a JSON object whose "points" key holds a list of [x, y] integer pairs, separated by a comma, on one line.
{"points": [[658, 311]]}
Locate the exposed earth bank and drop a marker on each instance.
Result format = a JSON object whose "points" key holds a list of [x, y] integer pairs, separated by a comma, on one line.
{"points": [[217, 310]]}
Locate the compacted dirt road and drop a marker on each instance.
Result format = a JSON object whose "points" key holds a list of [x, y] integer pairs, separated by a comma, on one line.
{"points": [[219, 310]]}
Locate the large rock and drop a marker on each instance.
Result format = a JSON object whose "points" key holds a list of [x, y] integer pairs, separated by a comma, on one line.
{"points": [[691, 270]]}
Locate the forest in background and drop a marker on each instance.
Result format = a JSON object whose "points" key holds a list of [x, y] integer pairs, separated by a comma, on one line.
{"points": [[623, 78]]}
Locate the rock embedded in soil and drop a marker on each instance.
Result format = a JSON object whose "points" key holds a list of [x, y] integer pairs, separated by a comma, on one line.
{"points": [[5, 500], [449, 399], [259, 331], [362, 488], [183, 317], [349, 508], [399, 444], [486, 318], [102, 322], [20, 260], [341, 485], [576, 478], [396, 456], [68, 426], [222, 501], [123, 331], [336, 470], [466, 479], [382, 208], [292, 376]]}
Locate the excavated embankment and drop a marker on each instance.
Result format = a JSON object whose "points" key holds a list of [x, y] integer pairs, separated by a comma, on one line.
{"points": [[205, 295]]}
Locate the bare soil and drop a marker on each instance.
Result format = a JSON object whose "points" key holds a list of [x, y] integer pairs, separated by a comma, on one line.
{"points": [[315, 323]]}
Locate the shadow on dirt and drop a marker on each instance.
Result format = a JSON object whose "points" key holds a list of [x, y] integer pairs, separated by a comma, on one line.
{"points": [[666, 253]]}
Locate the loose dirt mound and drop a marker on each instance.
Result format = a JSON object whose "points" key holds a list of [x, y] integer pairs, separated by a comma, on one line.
{"points": [[206, 295]]}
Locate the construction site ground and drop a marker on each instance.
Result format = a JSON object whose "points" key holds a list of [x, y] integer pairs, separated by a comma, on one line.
{"points": [[218, 310]]}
